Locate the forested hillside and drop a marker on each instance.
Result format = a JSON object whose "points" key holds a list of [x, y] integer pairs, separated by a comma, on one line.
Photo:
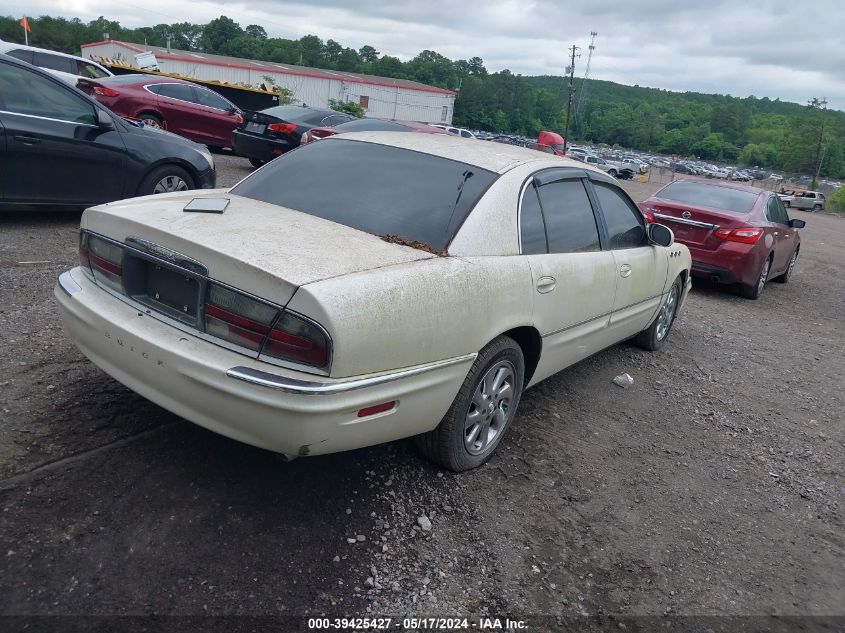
{"points": [[750, 131]]}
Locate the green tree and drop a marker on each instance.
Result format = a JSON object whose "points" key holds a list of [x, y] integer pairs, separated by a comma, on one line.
{"points": [[368, 54], [350, 107], [256, 31], [836, 201], [218, 33]]}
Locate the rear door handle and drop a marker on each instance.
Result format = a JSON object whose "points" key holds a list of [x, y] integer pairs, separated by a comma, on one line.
{"points": [[546, 284], [625, 270], [27, 140]]}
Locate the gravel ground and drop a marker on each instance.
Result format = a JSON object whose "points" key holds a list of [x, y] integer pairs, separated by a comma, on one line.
{"points": [[714, 485]]}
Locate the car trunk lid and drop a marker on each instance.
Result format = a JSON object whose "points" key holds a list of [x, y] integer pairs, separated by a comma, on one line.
{"points": [[257, 247], [694, 226]]}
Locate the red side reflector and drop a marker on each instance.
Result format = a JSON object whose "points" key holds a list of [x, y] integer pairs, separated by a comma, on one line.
{"points": [[378, 408], [105, 92], [282, 128], [649, 216]]}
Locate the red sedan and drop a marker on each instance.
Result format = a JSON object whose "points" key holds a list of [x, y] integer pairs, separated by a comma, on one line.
{"points": [[736, 234], [175, 105]]}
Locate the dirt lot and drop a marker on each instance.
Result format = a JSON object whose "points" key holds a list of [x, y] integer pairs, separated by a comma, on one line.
{"points": [[714, 485]]}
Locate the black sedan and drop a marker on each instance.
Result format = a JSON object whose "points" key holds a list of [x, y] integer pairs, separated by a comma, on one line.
{"points": [[60, 148], [272, 132]]}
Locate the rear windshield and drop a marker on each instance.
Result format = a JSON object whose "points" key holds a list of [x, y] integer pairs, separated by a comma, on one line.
{"points": [[379, 189], [369, 125], [699, 194], [295, 113]]}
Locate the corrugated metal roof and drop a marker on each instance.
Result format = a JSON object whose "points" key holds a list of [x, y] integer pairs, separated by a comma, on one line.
{"points": [[265, 66]]}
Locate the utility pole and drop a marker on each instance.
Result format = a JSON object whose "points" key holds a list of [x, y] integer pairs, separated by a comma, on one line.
{"points": [[581, 94], [821, 104], [571, 71]]}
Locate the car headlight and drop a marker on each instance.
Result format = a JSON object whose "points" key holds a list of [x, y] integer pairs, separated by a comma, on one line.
{"points": [[208, 157]]}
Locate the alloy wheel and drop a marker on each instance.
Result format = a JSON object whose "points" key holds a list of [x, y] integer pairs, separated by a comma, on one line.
{"points": [[490, 409], [764, 276], [667, 313], [169, 184]]}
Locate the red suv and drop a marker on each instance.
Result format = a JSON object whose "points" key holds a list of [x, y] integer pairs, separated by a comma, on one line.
{"points": [[175, 105]]}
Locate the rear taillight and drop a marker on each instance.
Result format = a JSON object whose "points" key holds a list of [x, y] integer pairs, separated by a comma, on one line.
{"points": [[295, 339], [105, 92], [282, 128], [232, 316], [744, 235], [247, 322], [648, 215], [236, 318], [104, 260]]}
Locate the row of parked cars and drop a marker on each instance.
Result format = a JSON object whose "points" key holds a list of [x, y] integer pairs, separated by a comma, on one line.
{"points": [[140, 133]]}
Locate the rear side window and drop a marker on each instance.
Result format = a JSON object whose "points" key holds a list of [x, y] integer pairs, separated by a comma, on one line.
{"points": [[570, 222], [182, 92], [22, 54], [84, 69], [532, 227], [26, 92], [379, 189], [55, 62], [625, 226], [775, 211], [211, 99]]}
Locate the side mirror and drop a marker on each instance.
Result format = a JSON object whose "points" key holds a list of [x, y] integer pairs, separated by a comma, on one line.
{"points": [[797, 224], [660, 235], [104, 121]]}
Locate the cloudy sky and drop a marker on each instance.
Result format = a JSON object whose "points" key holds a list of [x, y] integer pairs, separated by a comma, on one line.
{"points": [[791, 49]]}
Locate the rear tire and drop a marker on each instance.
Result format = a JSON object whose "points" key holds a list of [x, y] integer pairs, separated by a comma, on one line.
{"points": [[152, 120], [817, 208], [754, 291], [166, 179], [787, 275], [787, 203], [256, 162], [655, 335], [482, 412], [611, 172]]}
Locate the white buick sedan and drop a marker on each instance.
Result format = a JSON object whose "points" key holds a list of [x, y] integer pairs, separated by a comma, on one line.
{"points": [[370, 287]]}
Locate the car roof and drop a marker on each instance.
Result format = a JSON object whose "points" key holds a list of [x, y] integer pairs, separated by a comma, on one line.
{"points": [[495, 157], [9, 46], [142, 78]]}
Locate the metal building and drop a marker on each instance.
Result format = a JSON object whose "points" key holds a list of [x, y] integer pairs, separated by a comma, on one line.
{"points": [[379, 96]]}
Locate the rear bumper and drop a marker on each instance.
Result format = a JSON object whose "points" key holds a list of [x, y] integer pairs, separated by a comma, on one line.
{"points": [[277, 409], [259, 147], [731, 262]]}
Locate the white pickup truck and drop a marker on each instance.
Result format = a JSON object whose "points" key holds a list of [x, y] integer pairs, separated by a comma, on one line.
{"points": [[611, 167], [804, 200]]}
